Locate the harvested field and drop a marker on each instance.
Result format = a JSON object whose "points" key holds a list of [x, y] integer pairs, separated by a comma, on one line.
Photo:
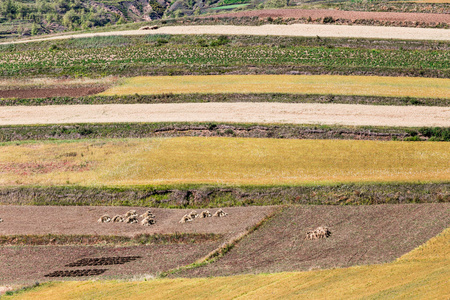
{"points": [[312, 30], [51, 92], [237, 161], [82, 220], [266, 113], [28, 264], [422, 273], [297, 84], [341, 14], [359, 235]]}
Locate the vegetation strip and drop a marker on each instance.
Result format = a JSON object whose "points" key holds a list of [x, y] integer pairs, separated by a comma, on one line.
{"points": [[296, 84], [178, 129], [216, 254], [428, 264], [221, 97], [207, 196], [167, 55], [140, 239]]}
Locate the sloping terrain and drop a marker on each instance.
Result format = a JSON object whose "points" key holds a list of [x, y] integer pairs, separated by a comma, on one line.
{"points": [[359, 235], [420, 274]]}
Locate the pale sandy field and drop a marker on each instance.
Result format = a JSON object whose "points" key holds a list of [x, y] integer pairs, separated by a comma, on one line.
{"points": [[311, 30], [295, 113]]}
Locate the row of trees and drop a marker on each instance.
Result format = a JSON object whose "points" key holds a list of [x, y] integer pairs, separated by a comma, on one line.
{"points": [[69, 13]]}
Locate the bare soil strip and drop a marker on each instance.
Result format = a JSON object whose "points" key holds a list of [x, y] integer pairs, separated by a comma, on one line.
{"points": [[51, 92], [340, 14], [294, 113], [359, 235], [310, 30], [82, 220]]}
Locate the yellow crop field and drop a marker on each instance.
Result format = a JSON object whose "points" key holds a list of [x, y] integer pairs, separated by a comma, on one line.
{"points": [[420, 274], [299, 84], [234, 161]]}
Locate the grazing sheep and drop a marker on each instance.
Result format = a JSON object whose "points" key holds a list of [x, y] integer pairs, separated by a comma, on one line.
{"points": [[147, 214], [186, 218], [193, 214], [205, 214], [148, 221], [117, 219], [104, 219], [1, 220], [319, 233], [130, 213], [149, 27], [220, 213], [131, 219]]}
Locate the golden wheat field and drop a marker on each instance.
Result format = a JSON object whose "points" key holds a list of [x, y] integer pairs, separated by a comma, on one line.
{"points": [[420, 274], [301, 84], [235, 161]]}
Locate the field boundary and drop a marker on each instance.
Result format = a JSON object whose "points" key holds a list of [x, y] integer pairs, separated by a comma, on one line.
{"points": [[226, 97], [223, 249], [16, 133], [206, 196]]}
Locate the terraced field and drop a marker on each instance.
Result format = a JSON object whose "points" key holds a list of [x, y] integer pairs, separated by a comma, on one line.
{"points": [[221, 161], [301, 155], [422, 273]]}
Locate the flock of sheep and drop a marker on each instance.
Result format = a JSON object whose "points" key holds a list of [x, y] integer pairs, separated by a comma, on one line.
{"points": [[204, 214], [130, 217], [149, 219], [319, 233]]}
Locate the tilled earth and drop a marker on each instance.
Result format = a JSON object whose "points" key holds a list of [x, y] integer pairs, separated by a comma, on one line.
{"points": [[352, 16], [359, 235], [82, 220], [51, 92]]}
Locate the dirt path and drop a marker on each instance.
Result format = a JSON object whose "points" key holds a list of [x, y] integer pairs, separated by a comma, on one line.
{"points": [[295, 113], [310, 30]]}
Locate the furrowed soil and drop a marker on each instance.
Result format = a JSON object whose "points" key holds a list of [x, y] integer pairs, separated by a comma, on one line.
{"points": [[421, 274], [290, 113], [28, 264], [24, 264], [359, 235], [51, 92], [82, 220], [338, 15]]}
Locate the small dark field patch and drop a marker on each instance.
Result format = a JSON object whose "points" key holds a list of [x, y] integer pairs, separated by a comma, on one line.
{"points": [[76, 273], [103, 261]]}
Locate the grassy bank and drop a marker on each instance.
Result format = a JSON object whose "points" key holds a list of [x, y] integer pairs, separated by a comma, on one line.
{"points": [[227, 161], [167, 55], [207, 196], [175, 129], [420, 274], [229, 97]]}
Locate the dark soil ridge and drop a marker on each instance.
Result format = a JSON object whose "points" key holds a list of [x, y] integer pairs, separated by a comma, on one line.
{"points": [[216, 196], [50, 92], [282, 131], [32, 98], [140, 239]]}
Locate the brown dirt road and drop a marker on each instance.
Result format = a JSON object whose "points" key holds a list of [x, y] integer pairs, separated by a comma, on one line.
{"points": [[290, 113], [308, 30]]}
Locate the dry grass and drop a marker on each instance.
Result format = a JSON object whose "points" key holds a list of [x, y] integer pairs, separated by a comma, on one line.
{"points": [[233, 161], [304, 84], [421, 274]]}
